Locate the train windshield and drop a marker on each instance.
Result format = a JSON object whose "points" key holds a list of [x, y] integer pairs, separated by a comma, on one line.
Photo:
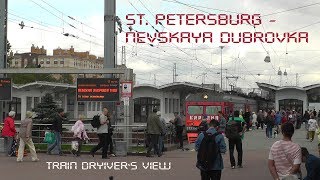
{"points": [[192, 110], [213, 110]]}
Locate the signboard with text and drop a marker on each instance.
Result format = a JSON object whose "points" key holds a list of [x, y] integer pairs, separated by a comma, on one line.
{"points": [[126, 89], [98, 89], [5, 89]]}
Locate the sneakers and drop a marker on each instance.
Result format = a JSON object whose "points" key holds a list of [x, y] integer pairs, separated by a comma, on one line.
{"points": [[19, 160], [35, 160], [92, 154], [113, 155], [233, 167]]}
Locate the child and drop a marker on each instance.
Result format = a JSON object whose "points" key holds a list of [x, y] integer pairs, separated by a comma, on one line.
{"points": [[79, 133]]}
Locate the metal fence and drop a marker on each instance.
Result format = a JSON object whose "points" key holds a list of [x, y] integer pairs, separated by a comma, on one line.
{"points": [[135, 135]]}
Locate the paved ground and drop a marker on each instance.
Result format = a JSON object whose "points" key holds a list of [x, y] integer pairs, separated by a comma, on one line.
{"points": [[182, 164]]}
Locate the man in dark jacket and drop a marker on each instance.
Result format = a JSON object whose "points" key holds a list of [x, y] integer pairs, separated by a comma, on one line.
{"points": [[312, 165], [154, 129], [215, 171], [57, 128], [179, 128]]}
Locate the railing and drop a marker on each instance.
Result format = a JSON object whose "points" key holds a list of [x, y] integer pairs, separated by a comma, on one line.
{"points": [[134, 134]]}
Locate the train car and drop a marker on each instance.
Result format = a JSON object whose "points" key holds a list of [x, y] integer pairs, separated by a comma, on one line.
{"points": [[200, 105]]}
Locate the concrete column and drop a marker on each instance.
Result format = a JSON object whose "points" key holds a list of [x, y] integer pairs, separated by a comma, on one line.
{"points": [[23, 107], [75, 113], [65, 102]]}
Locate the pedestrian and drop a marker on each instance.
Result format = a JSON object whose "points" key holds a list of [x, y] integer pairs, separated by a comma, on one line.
{"points": [[254, 120], [203, 126], [313, 126], [80, 135], [278, 122], [318, 133], [284, 118], [25, 135], [163, 134], [312, 165], [210, 145], [285, 155], [270, 123], [235, 129], [57, 128], [177, 121], [260, 119], [246, 117], [110, 134], [222, 123], [318, 117], [103, 135], [154, 130], [9, 132]]}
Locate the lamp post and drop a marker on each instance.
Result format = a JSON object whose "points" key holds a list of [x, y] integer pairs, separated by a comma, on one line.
{"points": [[221, 47]]}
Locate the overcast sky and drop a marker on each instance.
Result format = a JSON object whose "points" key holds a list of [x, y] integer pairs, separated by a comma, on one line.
{"points": [[244, 61]]}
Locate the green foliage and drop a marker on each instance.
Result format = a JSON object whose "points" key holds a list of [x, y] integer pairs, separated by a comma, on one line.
{"points": [[66, 78], [46, 109]]}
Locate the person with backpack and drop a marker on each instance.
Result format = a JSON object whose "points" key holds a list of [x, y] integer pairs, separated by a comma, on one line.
{"points": [[210, 145], [235, 129], [102, 132], [80, 135]]}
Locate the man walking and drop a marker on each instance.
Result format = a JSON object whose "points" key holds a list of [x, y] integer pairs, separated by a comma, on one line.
{"points": [[312, 164], [223, 123], [103, 135], [154, 129], [235, 129], [57, 128], [179, 128], [210, 145]]}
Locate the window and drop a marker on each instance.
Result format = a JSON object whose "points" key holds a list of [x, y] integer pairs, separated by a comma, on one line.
{"points": [[166, 105], [89, 106], [94, 106], [29, 103], [41, 62], [177, 105], [48, 61], [61, 62], [195, 110], [36, 101], [55, 62], [170, 105], [213, 110]]}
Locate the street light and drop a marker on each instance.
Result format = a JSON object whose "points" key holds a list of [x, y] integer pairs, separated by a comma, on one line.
{"points": [[221, 47], [267, 58]]}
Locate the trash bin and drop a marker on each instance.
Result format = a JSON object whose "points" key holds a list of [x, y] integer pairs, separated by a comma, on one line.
{"points": [[2, 148], [121, 148]]}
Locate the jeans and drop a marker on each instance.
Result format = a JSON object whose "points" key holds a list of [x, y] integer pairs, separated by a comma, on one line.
{"points": [[238, 144], [23, 142], [110, 142], [57, 142], [269, 131], [153, 143], [161, 144], [211, 175], [8, 144], [103, 143], [179, 130]]}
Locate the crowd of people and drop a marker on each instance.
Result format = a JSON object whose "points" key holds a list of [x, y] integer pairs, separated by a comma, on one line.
{"points": [[285, 156]]}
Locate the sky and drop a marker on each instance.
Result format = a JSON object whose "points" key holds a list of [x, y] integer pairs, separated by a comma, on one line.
{"points": [[154, 65]]}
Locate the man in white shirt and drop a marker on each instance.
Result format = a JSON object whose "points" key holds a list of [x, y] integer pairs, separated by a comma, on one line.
{"points": [[313, 126]]}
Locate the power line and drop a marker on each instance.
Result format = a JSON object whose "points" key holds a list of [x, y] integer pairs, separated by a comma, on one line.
{"points": [[292, 9]]}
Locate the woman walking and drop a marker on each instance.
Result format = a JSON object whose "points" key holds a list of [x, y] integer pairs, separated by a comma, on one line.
{"points": [[25, 135], [9, 132], [313, 126], [80, 135]]}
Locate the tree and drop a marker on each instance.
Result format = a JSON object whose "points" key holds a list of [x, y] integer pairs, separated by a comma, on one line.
{"points": [[46, 109], [66, 78]]}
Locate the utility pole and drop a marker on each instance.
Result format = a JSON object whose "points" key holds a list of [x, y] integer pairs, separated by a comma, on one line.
{"points": [[297, 79], [174, 72], [109, 35], [221, 86], [204, 78], [154, 79], [3, 44], [123, 55]]}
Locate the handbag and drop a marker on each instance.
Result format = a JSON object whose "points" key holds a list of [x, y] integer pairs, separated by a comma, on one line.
{"points": [[49, 137]]}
